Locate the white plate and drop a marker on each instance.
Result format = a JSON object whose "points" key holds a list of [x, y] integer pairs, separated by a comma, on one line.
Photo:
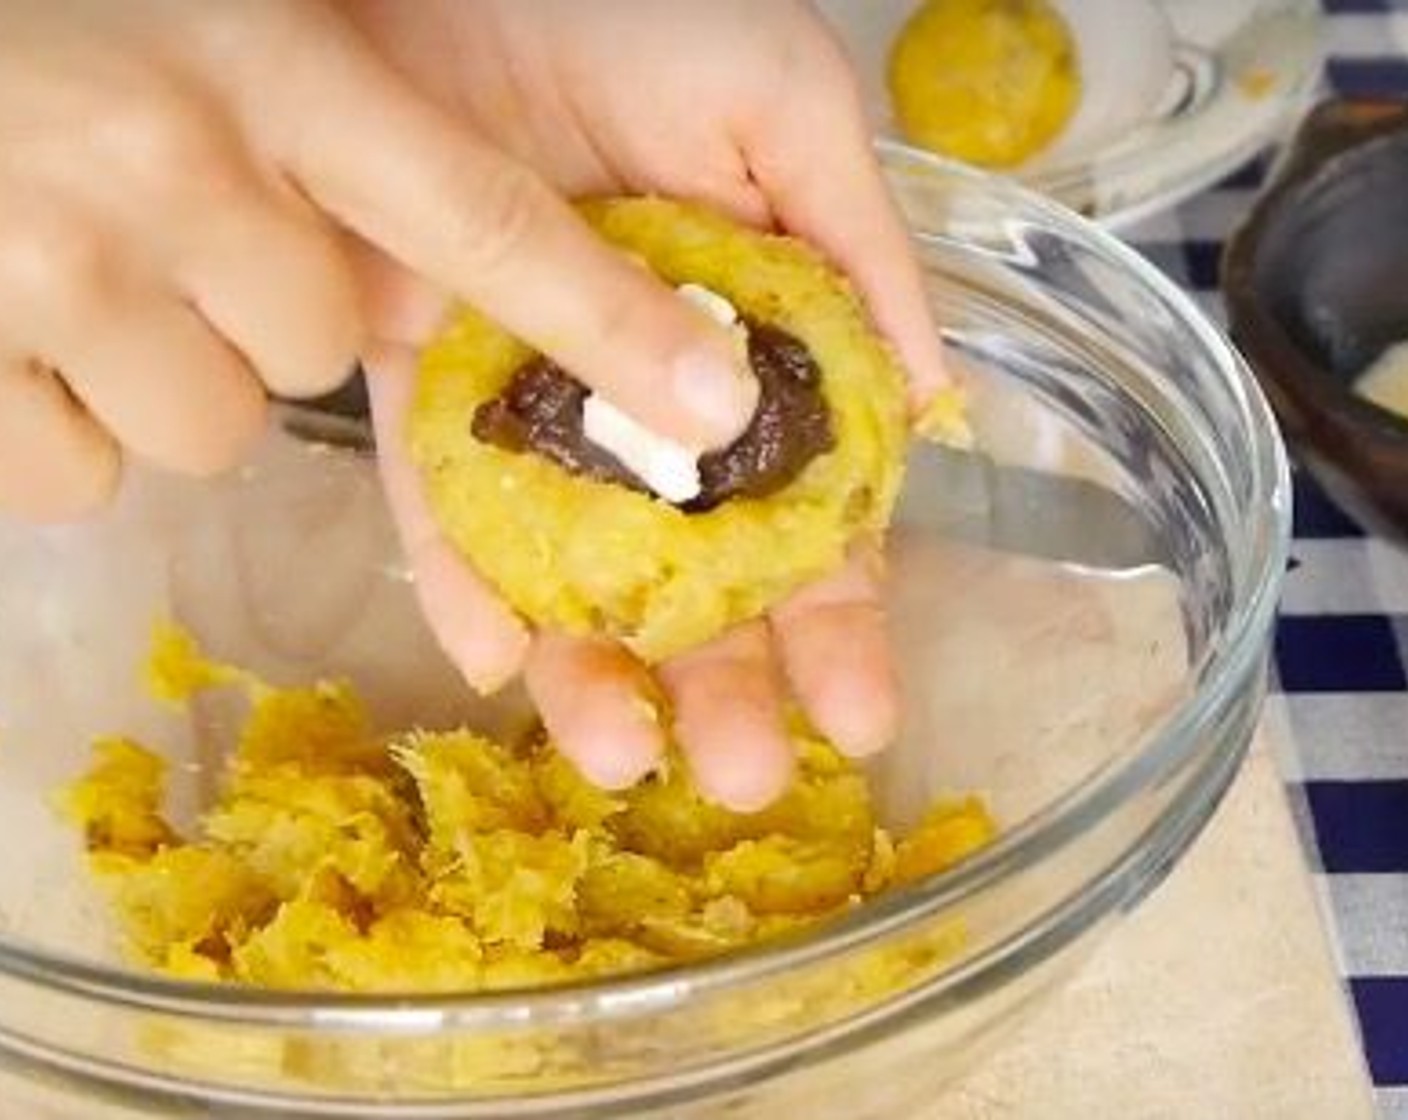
{"points": [[1177, 93]]}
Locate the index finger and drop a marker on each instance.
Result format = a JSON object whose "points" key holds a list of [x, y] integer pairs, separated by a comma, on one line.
{"points": [[408, 178]]}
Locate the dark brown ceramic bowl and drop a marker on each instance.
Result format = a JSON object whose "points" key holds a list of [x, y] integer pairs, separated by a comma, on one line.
{"points": [[1316, 282]]}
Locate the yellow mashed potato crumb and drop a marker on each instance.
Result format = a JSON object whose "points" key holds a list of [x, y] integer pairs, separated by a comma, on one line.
{"points": [[334, 858], [991, 82]]}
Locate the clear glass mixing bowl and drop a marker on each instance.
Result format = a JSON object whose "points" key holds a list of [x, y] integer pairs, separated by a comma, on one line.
{"points": [[1082, 610]]}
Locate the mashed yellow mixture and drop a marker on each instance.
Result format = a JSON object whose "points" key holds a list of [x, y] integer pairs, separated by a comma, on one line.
{"points": [[593, 557], [337, 858], [991, 82]]}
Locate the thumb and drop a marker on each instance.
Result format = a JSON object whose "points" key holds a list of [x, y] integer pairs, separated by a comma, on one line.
{"points": [[406, 178]]}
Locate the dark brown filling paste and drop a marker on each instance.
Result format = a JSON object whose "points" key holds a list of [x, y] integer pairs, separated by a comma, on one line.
{"points": [[540, 410]]}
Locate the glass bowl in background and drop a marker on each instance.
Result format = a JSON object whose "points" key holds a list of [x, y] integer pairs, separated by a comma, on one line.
{"points": [[1082, 612]]}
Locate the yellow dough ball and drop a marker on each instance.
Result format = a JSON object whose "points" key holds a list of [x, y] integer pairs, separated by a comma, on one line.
{"points": [[336, 857], [991, 82], [589, 556]]}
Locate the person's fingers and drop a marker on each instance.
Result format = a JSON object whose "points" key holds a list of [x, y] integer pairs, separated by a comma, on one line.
{"points": [[400, 307], [737, 196], [56, 462], [593, 699], [182, 200], [833, 194], [727, 702], [484, 639], [278, 286], [146, 366], [836, 653], [406, 177], [152, 371]]}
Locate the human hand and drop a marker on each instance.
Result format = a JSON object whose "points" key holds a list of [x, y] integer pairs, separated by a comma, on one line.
{"points": [[185, 193], [198, 202], [749, 107]]}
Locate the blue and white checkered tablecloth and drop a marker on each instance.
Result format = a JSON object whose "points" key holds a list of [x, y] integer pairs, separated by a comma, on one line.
{"points": [[1339, 710]]}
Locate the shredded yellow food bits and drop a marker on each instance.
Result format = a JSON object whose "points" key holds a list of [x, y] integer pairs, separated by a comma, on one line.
{"points": [[337, 858]]}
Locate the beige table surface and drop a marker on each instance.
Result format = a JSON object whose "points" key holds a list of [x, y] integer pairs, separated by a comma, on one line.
{"points": [[1218, 998]]}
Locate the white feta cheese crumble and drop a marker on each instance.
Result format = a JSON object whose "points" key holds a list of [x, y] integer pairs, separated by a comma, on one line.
{"points": [[710, 302], [668, 468]]}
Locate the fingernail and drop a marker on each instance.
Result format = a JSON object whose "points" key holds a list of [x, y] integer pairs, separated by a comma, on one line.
{"points": [[616, 771], [719, 396], [864, 727], [486, 667], [485, 680], [629, 746], [745, 789], [621, 767]]}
